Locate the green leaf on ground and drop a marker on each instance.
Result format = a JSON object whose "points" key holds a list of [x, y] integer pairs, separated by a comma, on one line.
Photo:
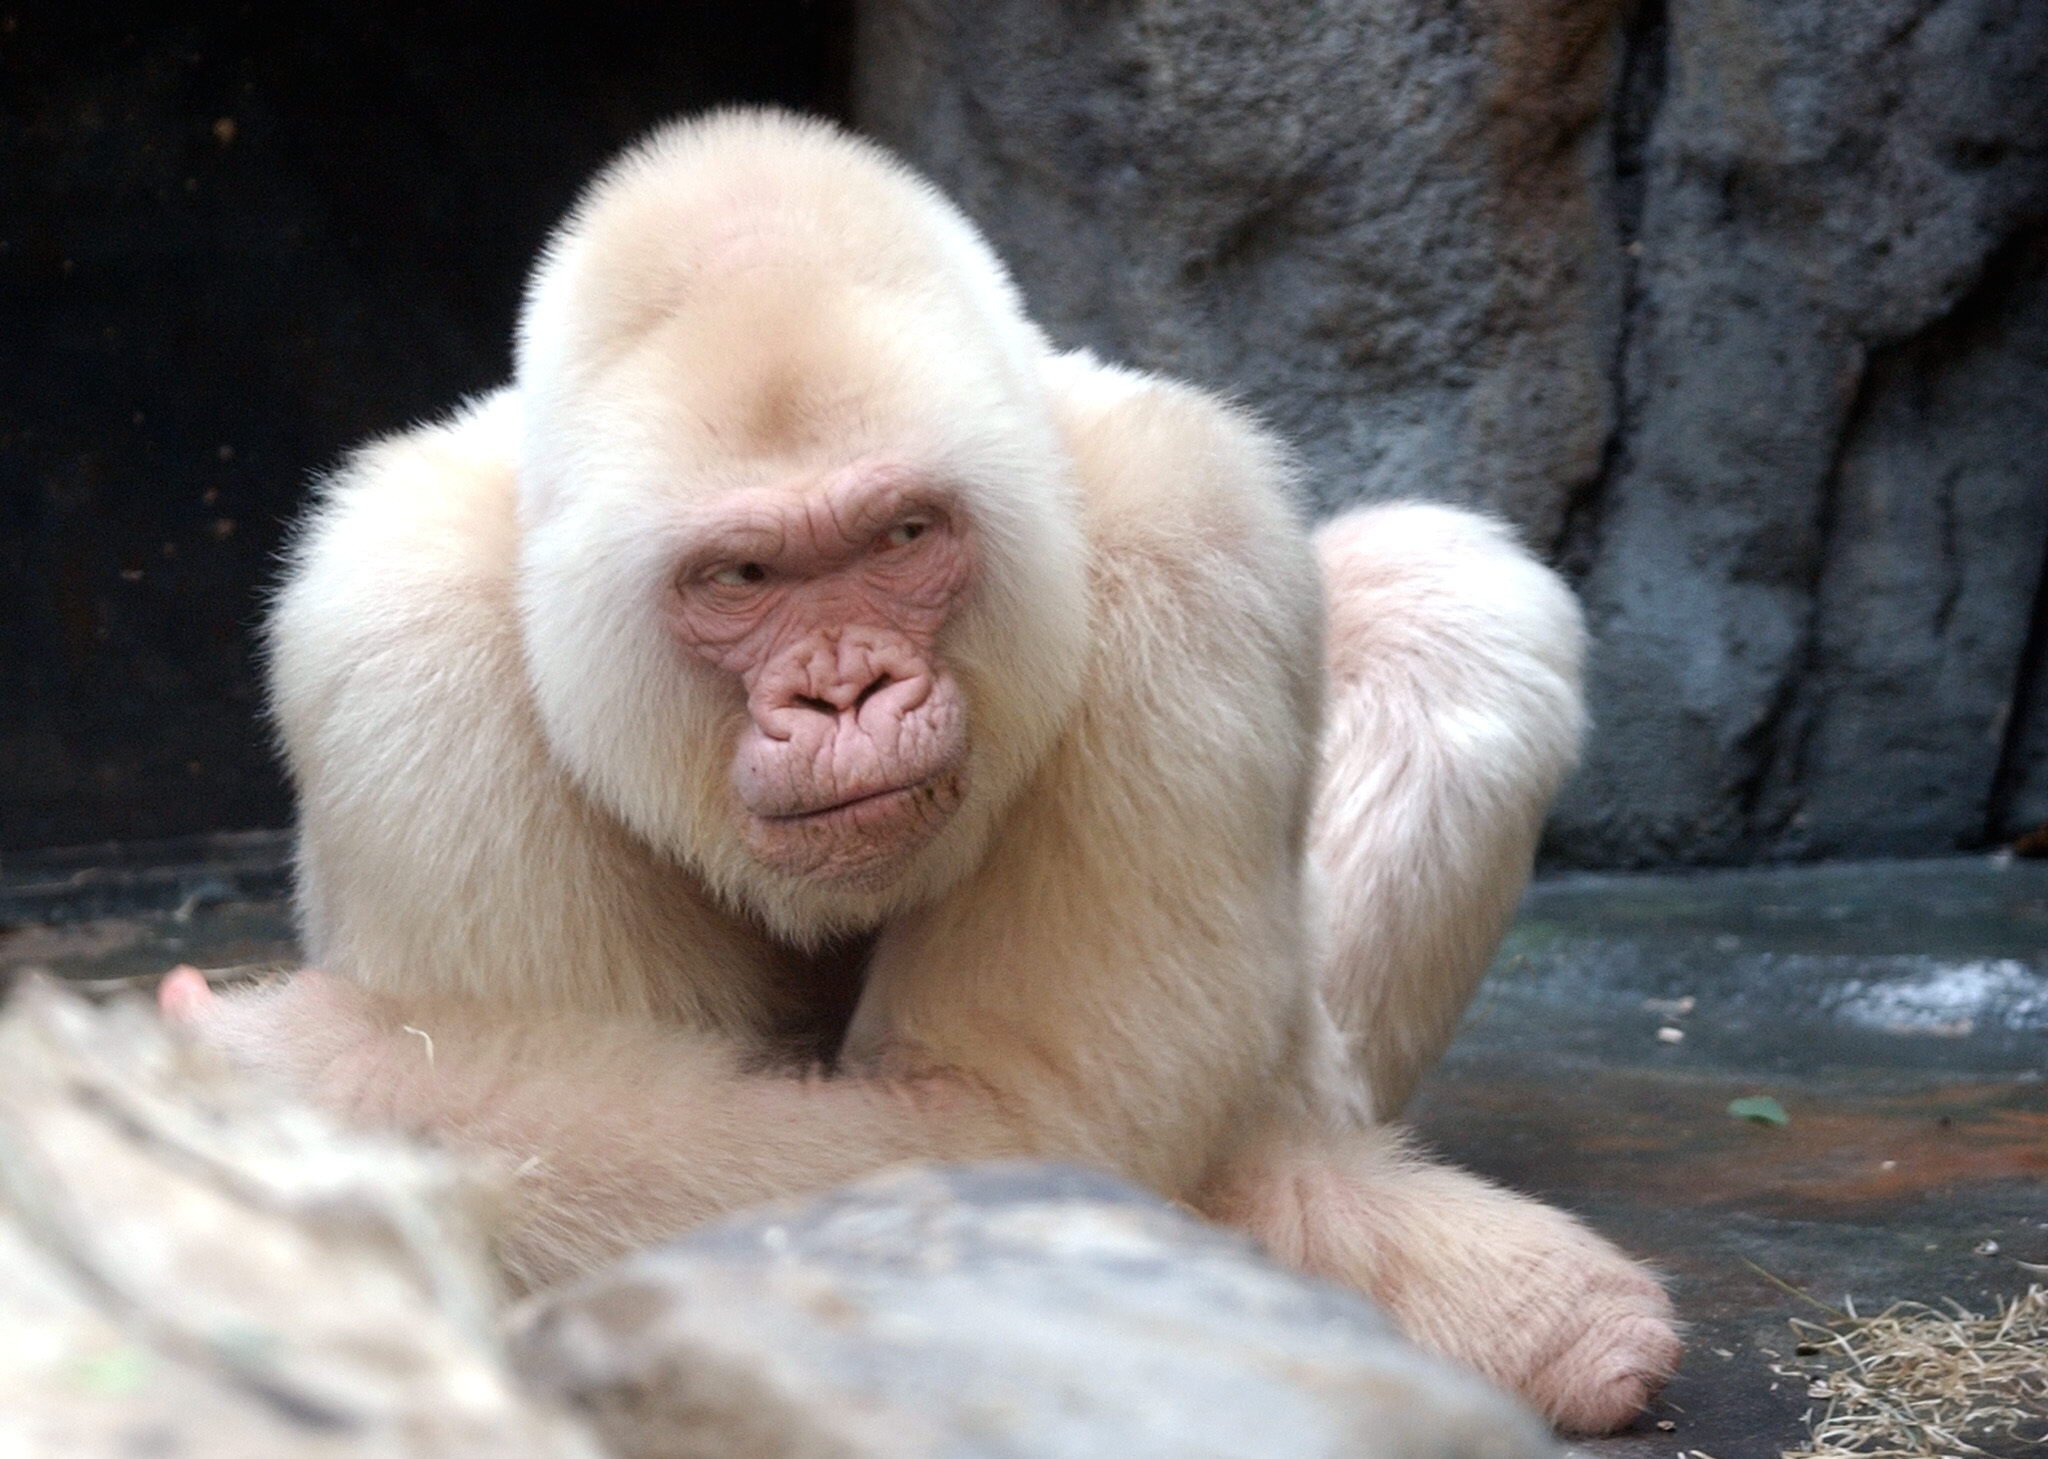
{"points": [[1759, 1109]]}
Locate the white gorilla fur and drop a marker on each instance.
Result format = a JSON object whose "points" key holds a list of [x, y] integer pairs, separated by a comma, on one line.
{"points": [[1188, 924]]}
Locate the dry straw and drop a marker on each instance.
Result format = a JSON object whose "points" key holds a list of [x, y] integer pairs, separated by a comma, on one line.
{"points": [[1920, 1382]]}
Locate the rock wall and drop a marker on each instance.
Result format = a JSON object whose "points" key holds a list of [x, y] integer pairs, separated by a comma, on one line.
{"points": [[1738, 309]]}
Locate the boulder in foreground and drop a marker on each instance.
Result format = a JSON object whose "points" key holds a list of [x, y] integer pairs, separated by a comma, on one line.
{"points": [[992, 1311]]}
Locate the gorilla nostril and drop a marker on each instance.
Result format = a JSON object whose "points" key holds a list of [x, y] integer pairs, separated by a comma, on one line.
{"points": [[882, 681]]}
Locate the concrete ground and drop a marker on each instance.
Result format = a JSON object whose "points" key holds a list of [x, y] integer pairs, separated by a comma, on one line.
{"points": [[1897, 1013]]}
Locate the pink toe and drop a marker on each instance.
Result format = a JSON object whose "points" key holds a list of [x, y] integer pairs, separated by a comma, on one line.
{"points": [[1611, 1375], [183, 993]]}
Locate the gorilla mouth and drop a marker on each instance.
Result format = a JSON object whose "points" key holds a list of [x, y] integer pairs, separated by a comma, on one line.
{"points": [[877, 798], [860, 841]]}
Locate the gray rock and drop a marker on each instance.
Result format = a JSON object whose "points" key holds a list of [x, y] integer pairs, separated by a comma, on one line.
{"points": [[189, 1267], [993, 1311], [1893, 736], [1825, 192], [1380, 224], [1734, 307]]}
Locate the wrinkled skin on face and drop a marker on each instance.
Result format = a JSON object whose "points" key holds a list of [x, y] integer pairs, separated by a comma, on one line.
{"points": [[828, 604]]}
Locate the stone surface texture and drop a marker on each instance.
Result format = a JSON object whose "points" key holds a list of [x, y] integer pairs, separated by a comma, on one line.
{"points": [[991, 1311], [189, 1269], [1738, 309]]}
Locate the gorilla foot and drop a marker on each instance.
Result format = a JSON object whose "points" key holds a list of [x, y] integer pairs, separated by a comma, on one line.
{"points": [[1519, 1291]]}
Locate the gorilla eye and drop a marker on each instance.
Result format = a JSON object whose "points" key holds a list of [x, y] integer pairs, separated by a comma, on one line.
{"points": [[904, 533], [740, 575]]}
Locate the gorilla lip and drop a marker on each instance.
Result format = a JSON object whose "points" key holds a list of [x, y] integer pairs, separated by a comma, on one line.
{"points": [[860, 840], [839, 807]]}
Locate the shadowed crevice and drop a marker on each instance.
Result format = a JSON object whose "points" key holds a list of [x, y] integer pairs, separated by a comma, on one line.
{"points": [[1639, 98], [2003, 817]]}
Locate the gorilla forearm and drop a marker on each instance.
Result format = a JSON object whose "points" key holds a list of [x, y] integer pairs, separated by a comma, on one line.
{"points": [[621, 1137], [616, 1132]]}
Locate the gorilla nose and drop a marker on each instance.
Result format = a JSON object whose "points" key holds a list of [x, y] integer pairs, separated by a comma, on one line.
{"points": [[859, 684], [849, 697], [812, 711]]}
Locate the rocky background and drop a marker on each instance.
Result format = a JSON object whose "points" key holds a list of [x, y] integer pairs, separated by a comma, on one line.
{"points": [[1739, 308]]}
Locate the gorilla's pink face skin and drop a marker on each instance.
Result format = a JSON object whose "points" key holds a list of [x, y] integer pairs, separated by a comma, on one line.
{"points": [[828, 607]]}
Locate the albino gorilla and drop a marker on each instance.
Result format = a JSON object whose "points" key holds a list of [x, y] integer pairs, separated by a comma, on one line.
{"points": [[806, 723]]}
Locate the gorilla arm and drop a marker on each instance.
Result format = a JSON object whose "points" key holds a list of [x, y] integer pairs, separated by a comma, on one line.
{"points": [[1136, 946], [618, 1132], [1454, 715]]}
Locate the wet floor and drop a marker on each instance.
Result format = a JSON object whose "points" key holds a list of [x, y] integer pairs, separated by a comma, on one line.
{"points": [[1898, 1014]]}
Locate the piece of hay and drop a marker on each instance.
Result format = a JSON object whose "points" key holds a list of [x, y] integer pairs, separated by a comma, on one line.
{"points": [[1920, 1382]]}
